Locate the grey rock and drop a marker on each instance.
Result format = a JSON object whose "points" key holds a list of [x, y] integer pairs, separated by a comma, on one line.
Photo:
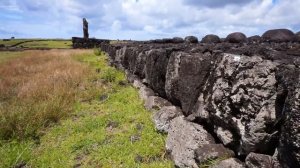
{"points": [[254, 39], [145, 93], [254, 160], [156, 103], [240, 98], [209, 152], [156, 69], [224, 135], [191, 39], [211, 38], [289, 144], [279, 35], [185, 78], [140, 64], [229, 163], [236, 37], [183, 139], [177, 40], [163, 117]]}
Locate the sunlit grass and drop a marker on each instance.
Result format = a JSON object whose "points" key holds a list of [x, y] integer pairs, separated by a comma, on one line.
{"points": [[108, 128]]}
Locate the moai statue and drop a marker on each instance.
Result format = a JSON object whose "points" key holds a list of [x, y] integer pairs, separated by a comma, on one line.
{"points": [[85, 29]]}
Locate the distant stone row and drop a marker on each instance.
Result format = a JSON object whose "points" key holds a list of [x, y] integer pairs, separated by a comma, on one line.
{"points": [[276, 35]]}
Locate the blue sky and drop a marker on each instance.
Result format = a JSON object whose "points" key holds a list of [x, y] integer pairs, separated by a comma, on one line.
{"points": [[145, 19]]}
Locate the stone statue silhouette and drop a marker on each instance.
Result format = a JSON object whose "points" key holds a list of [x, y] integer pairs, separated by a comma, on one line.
{"points": [[85, 28]]}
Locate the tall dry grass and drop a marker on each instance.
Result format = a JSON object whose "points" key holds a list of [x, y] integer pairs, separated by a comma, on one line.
{"points": [[38, 89]]}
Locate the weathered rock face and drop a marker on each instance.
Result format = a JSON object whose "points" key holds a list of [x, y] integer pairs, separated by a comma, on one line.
{"points": [[87, 43], [156, 69], [254, 39], [236, 37], [177, 40], [279, 35], [211, 38], [163, 117], [255, 160], [183, 138], [186, 75], [210, 152], [191, 39], [230, 163], [245, 94], [289, 148], [240, 102]]}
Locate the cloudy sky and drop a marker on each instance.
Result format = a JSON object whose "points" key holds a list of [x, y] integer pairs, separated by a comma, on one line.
{"points": [[145, 19]]}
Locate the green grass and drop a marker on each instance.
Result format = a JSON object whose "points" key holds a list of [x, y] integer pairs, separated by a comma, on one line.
{"points": [[110, 129], [39, 43], [12, 42], [48, 44], [4, 55]]}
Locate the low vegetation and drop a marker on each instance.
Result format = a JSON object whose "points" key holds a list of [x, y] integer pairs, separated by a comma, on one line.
{"points": [[96, 118], [40, 88], [4, 56], [38, 43]]}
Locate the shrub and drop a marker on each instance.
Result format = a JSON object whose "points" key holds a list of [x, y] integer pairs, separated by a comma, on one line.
{"points": [[97, 51], [110, 75]]}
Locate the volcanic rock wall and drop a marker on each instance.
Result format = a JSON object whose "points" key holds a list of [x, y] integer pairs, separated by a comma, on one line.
{"points": [[87, 43], [237, 99]]}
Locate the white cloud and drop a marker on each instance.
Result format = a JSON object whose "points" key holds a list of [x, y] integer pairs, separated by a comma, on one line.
{"points": [[145, 19]]}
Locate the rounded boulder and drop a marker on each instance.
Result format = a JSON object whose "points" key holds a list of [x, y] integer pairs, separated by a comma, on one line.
{"points": [[236, 37], [191, 39], [279, 35], [211, 38]]}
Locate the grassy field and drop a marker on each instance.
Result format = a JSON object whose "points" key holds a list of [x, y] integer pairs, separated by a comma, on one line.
{"points": [[38, 43], [97, 118], [4, 56]]}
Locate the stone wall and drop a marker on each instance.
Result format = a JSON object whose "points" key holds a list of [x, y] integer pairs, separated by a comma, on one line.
{"points": [[235, 98], [87, 43]]}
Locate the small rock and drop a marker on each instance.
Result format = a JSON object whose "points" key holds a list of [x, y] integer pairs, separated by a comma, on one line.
{"points": [[137, 84], [156, 103], [140, 126], [163, 117], [255, 160], [254, 39], [112, 124], [123, 83], [20, 165], [145, 92], [183, 139], [138, 159], [230, 163], [135, 138], [103, 97], [211, 152]]}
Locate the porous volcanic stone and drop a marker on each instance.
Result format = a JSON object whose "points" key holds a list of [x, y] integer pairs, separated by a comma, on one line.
{"points": [[279, 35], [211, 38], [191, 39], [184, 137], [236, 37]]}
